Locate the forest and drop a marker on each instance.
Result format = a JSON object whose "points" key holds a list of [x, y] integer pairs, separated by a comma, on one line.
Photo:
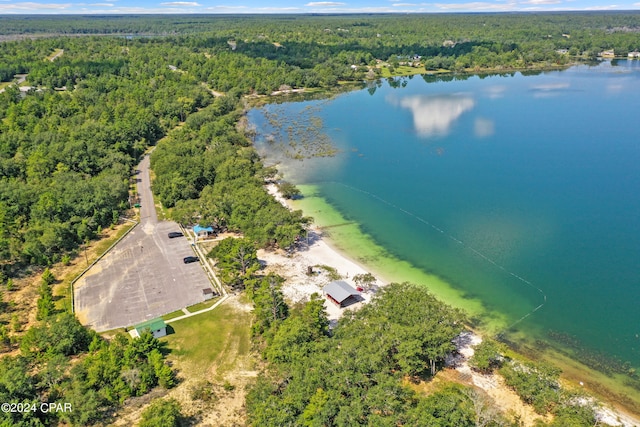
{"points": [[98, 92]]}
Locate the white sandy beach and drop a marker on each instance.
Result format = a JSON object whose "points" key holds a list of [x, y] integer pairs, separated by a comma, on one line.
{"points": [[299, 286]]}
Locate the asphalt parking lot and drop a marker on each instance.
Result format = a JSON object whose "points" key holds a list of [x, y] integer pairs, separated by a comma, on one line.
{"points": [[143, 277]]}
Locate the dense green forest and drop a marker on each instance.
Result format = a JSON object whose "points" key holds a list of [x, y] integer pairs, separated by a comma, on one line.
{"points": [[73, 131]]}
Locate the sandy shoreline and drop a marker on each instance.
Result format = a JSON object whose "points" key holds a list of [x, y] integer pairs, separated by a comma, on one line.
{"points": [[299, 286], [313, 252]]}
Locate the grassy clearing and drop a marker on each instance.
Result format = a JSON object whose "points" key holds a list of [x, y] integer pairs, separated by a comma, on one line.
{"points": [[401, 71], [210, 344], [160, 211], [173, 315]]}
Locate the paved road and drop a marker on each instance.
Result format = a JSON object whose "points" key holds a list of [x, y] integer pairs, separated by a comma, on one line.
{"points": [[143, 277]]}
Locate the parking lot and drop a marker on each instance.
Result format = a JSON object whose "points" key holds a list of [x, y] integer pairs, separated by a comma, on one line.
{"points": [[143, 277]]}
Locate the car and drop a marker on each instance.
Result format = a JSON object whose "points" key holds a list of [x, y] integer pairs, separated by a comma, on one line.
{"points": [[190, 259], [175, 234]]}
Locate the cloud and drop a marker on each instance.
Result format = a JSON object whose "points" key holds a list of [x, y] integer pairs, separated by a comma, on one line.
{"points": [[483, 127], [434, 115], [603, 7], [102, 4], [180, 3], [277, 9], [223, 7], [537, 2], [475, 6], [31, 6], [324, 4]]}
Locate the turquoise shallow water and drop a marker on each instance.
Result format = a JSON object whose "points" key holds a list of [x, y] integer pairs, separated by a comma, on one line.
{"points": [[520, 191]]}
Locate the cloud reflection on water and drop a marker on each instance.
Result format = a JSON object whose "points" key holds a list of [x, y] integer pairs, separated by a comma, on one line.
{"points": [[434, 115], [483, 127]]}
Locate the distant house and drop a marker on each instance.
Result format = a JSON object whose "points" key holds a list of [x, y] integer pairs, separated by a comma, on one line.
{"points": [[634, 54], [607, 54], [157, 327], [341, 293]]}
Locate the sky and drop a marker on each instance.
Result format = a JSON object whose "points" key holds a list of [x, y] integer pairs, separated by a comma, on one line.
{"points": [[295, 6]]}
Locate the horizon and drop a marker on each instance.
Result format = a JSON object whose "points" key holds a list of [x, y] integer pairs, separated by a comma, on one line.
{"points": [[280, 7]]}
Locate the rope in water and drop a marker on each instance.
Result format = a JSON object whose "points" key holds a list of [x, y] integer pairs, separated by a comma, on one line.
{"points": [[458, 241]]}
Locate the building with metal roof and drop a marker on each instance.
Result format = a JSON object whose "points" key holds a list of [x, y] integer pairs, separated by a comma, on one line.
{"points": [[157, 327], [341, 293]]}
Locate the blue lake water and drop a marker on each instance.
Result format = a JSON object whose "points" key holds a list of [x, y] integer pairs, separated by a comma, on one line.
{"points": [[520, 191]]}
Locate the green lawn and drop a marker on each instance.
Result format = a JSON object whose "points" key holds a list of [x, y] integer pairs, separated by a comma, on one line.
{"points": [[202, 305], [212, 342], [402, 70], [173, 315]]}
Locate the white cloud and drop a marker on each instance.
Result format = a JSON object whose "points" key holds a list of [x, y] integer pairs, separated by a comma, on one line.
{"points": [[102, 4], [324, 4], [31, 6], [222, 7], [180, 3], [603, 7], [540, 2], [277, 9], [475, 6], [434, 115]]}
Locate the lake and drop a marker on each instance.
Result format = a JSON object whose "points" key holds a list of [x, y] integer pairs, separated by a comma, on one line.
{"points": [[520, 193]]}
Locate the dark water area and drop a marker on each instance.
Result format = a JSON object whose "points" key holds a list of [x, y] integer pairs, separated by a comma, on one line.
{"points": [[520, 191]]}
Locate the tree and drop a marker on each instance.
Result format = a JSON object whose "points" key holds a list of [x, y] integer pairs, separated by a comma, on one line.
{"points": [[364, 280], [446, 407], [161, 413], [236, 259], [269, 305], [486, 356], [536, 383], [288, 190]]}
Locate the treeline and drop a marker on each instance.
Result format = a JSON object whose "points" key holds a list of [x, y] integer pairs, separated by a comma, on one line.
{"points": [[518, 39], [209, 173]]}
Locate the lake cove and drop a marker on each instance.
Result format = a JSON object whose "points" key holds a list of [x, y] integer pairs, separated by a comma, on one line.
{"points": [[512, 196]]}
